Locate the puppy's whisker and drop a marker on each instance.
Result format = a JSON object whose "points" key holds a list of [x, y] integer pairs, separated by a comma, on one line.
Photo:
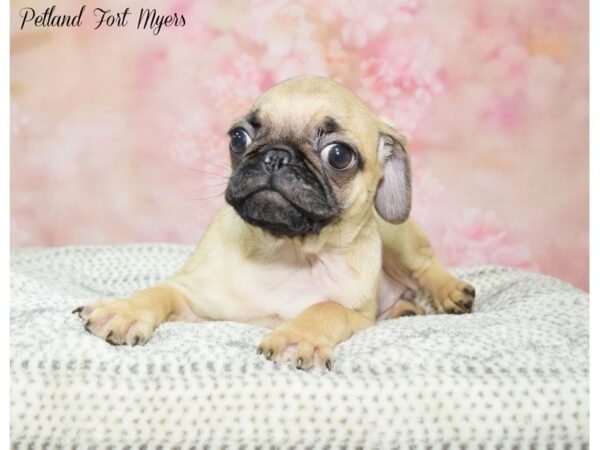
{"points": [[214, 167], [205, 188], [217, 176], [206, 172], [210, 197], [217, 163], [216, 185]]}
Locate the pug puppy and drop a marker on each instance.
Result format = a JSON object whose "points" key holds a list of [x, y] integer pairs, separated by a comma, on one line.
{"points": [[314, 242]]}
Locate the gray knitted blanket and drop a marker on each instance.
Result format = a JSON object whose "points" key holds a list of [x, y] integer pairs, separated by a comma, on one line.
{"points": [[512, 374]]}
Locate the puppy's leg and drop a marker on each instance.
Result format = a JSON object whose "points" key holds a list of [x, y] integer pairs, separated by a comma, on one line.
{"points": [[315, 332], [132, 321], [406, 249]]}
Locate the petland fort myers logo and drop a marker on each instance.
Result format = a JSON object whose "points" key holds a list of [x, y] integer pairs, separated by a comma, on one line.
{"points": [[146, 18]]}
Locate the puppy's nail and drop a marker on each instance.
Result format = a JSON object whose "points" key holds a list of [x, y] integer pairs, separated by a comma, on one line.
{"points": [[469, 291], [408, 313], [136, 341], [87, 326], [269, 354], [77, 310], [467, 304], [259, 351], [328, 364], [299, 363]]}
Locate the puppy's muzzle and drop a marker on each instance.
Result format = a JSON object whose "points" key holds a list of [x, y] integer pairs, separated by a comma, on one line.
{"points": [[274, 188]]}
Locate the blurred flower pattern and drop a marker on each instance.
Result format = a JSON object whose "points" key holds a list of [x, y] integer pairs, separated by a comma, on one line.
{"points": [[118, 135]]}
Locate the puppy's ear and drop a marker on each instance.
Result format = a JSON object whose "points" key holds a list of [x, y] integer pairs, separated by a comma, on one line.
{"points": [[393, 196]]}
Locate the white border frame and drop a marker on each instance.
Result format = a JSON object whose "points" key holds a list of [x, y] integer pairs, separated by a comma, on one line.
{"points": [[5, 224], [594, 171]]}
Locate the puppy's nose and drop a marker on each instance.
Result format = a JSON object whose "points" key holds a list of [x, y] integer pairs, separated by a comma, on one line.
{"points": [[275, 158]]}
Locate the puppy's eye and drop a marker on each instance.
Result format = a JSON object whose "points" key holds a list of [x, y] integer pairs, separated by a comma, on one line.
{"points": [[239, 140], [338, 156]]}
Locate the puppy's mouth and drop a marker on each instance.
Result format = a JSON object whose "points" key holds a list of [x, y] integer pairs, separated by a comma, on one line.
{"points": [[290, 200], [271, 211]]}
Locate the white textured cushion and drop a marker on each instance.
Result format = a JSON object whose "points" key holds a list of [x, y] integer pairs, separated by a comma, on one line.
{"points": [[513, 373]]}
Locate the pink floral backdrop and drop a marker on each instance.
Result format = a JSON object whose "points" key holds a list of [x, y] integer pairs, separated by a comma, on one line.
{"points": [[118, 135]]}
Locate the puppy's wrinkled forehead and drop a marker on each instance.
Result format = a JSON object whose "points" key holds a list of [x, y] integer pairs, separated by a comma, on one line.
{"points": [[299, 106]]}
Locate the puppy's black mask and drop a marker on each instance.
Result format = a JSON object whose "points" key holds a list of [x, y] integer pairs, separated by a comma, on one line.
{"points": [[276, 188]]}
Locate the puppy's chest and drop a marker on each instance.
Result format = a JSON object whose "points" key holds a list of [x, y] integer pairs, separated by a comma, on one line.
{"points": [[286, 288]]}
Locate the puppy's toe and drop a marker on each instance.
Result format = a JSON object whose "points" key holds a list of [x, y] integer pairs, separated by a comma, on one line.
{"points": [[405, 308], [309, 354], [469, 290], [118, 322], [303, 359], [453, 308], [272, 345], [85, 311], [325, 357]]}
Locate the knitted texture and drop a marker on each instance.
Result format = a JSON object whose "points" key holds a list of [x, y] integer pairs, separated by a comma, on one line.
{"points": [[514, 373]]}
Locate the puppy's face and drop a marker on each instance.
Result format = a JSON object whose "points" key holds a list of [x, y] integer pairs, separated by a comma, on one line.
{"points": [[310, 154]]}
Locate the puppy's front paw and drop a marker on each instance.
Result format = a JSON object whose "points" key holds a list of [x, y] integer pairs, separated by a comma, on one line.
{"points": [[303, 348], [119, 322], [456, 297]]}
